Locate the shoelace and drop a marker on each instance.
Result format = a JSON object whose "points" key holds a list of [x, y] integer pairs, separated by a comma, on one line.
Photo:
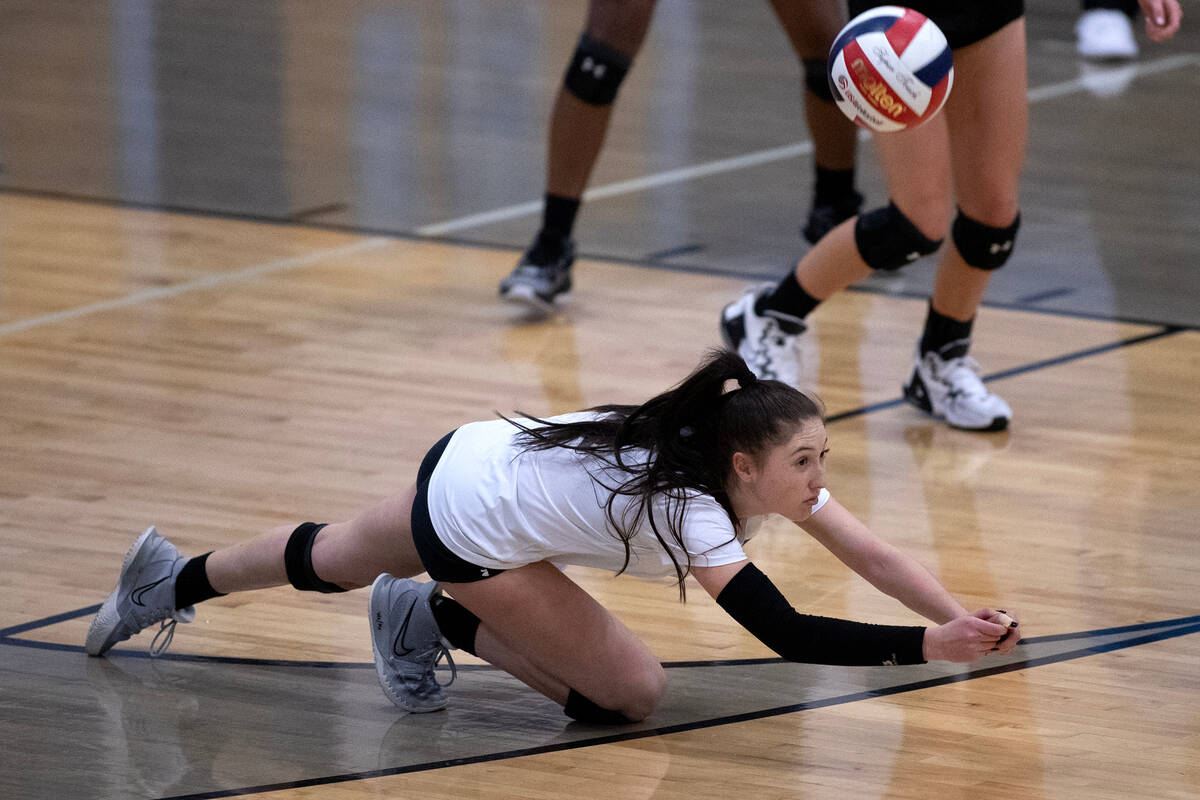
{"points": [[950, 376], [167, 630], [442, 652]]}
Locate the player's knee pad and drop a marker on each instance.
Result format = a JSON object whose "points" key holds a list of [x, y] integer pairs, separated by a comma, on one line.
{"points": [[580, 708], [297, 560], [887, 240], [983, 246], [595, 72], [816, 78]]}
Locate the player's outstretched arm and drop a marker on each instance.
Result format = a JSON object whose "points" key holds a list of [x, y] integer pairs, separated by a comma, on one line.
{"points": [[751, 599], [884, 566]]}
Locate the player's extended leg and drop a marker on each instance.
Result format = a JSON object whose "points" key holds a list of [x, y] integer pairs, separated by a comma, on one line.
{"points": [[158, 584], [987, 116], [612, 36], [811, 26]]}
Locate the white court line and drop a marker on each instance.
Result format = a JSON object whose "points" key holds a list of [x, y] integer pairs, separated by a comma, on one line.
{"points": [[208, 282], [758, 158], [755, 159], [624, 187]]}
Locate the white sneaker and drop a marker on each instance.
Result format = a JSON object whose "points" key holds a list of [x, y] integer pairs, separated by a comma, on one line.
{"points": [[407, 643], [145, 594], [950, 389], [1105, 33], [771, 352]]}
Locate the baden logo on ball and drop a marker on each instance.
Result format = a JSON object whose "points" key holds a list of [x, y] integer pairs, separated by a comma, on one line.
{"points": [[890, 69]]}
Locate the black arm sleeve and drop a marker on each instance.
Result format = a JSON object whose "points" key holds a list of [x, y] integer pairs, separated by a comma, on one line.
{"points": [[752, 600]]}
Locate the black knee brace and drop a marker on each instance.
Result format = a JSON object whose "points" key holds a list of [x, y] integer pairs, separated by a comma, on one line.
{"points": [[595, 72], [983, 246], [816, 78], [297, 560], [580, 708], [887, 240]]}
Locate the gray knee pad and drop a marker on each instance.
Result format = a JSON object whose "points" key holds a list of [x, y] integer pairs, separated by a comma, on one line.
{"points": [[983, 246], [595, 72], [816, 78], [887, 240]]}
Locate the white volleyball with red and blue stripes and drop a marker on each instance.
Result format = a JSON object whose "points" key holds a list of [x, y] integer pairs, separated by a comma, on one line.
{"points": [[890, 69]]}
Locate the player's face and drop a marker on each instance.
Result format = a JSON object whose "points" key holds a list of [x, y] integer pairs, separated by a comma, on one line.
{"points": [[787, 478]]}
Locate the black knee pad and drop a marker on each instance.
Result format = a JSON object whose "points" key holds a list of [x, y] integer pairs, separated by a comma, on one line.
{"points": [[297, 560], [816, 78], [595, 72], [983, 246], [580, 708], [887, 240]]}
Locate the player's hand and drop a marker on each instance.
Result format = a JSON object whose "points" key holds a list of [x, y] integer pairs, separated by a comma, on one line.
{"points": [[1162, 18], [1013, 628], [965, 639]]}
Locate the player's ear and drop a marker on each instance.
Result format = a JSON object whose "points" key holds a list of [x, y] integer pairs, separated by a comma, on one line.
{"points": [[744, 466]]}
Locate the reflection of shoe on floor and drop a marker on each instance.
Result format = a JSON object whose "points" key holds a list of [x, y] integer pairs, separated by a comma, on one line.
{"points": [[943, 453], [1105, 33], [144, 719], [1106, 80], [407, 643], [770, 343], [824, 218], [145, 594], [950, 389], [542, 275]]}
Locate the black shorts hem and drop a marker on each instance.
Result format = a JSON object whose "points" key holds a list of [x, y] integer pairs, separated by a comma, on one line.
{"points": [[441, 564], [963, 22]]}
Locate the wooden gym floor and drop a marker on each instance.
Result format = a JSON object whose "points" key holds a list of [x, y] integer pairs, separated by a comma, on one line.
{"points": [[248, 258]]}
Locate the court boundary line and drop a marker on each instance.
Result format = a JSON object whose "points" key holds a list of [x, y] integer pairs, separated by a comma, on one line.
{"points": [[7, 638], [1162, 630], [666, 730]]}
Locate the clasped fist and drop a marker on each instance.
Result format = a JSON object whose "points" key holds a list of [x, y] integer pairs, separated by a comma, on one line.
{"points": [[969, 638]]}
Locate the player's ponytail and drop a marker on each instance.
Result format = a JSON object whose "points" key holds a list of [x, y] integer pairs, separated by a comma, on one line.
{"points": [[680, 442]]}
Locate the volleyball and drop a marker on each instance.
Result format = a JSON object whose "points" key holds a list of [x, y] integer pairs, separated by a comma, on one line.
{"points": [[890, 69]]}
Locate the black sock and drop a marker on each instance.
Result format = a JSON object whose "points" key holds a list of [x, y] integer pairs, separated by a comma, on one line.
{"points": [[788, 303], [192, 586], [458, 625], [558, 216], [947, 337], [558, 220], [835, 187]]}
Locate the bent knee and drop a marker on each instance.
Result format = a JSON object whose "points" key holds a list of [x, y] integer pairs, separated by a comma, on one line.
{"points": [[633, 699], [643, 693]]}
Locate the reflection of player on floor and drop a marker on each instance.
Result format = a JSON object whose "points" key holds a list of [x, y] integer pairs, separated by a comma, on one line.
{"points": [[668, 488], [969, 156], [612, 37]]}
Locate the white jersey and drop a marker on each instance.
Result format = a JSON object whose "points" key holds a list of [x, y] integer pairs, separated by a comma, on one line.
{"points": [[497, 506]]}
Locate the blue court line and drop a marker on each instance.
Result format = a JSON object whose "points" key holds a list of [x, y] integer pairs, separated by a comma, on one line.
{"points": [[6, 638], [710, 723]]}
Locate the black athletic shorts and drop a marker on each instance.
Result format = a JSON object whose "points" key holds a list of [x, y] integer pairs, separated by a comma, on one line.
{"points": [[963, 21], [440, 563]]}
